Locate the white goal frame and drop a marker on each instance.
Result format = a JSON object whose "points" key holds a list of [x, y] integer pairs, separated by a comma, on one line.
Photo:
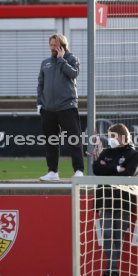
{"points": [[90, 181]]}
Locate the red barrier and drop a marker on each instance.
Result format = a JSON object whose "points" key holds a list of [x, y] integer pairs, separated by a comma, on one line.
{"points": [[43, 245], [41, 240]]}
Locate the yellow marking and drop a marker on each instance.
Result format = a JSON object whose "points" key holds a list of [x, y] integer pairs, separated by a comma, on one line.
{"points": [[4, 244]]}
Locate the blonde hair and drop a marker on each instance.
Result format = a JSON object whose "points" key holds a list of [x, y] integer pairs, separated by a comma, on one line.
{"points": [[61, 40]]}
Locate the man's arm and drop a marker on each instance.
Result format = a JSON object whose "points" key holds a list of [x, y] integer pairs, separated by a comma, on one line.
{"points": [[40, 85], [71, 67]]}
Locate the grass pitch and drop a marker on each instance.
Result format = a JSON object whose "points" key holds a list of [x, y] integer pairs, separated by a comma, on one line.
{"points": [[32, 168]]}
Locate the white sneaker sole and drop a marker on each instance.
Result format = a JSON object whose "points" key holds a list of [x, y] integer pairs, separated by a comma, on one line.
{"points": [[50, 179]]}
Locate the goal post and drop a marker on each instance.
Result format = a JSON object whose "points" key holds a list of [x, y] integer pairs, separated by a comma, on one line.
{"points": [[89, 258], [76, 228]]}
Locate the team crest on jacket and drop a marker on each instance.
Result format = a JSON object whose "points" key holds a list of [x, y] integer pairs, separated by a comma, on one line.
{"points": [[9, 222], [121, 160]]}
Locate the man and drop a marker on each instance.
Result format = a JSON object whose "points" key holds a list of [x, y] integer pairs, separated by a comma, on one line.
{"points": [[58, 103], [115, 205]]}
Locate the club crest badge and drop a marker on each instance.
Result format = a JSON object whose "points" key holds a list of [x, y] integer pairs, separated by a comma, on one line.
{"points": [[9, 222]]}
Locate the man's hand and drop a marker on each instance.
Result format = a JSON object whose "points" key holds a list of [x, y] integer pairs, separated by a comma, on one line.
{"points": [[60, 52], [38, 109]]}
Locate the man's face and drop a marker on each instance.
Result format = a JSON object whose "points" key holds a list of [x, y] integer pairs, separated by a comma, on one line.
{"points": [[53, 46]]}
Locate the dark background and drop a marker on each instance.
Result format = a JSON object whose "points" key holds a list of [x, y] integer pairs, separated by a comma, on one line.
{"points": [[31, 125]]}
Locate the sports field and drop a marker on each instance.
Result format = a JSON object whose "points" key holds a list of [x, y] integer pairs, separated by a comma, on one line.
{"points": [[32, 168]]}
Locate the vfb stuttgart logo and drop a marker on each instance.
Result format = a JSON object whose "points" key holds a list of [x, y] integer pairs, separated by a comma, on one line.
{"points": [[9, 221]]}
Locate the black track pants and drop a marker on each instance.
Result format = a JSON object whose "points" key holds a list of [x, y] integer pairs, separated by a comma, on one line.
{"points": [[68, 122]]}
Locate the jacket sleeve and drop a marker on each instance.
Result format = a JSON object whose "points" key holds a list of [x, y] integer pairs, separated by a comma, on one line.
{"points": [[40, 85], [130, 165], [108, 169], [71, 67]]}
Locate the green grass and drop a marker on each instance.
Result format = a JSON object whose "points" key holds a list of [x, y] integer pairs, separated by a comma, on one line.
{"points": [[32, 168]]}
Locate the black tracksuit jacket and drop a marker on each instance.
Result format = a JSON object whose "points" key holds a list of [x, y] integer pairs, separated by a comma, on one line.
{"points": [[126, 157]]}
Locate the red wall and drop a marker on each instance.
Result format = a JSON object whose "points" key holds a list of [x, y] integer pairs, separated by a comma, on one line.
{"points": [[43, 246]]}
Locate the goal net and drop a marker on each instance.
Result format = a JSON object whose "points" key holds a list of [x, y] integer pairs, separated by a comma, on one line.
{"points": [[105, 226]]}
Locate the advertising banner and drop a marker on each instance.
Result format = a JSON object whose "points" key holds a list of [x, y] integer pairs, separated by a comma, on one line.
{"points": [[36, 237]]}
